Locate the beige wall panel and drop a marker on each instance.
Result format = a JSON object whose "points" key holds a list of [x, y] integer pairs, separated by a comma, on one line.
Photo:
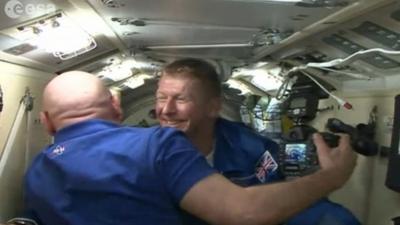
{"points": [[14, 80], [365, 193]]}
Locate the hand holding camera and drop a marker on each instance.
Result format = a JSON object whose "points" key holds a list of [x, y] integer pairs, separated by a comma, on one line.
{"points": [[299, 155], [338, 162]]}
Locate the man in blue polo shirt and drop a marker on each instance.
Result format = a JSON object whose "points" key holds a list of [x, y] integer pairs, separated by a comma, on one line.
{"points": [[98, 172], [189, 98]]}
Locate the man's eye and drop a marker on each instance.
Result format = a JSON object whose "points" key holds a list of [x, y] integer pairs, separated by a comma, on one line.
{"points": [[160, 98], [181, 99]]}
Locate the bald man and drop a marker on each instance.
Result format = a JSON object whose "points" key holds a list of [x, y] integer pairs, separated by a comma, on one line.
{"points": [[99, 172], [74, 97]]}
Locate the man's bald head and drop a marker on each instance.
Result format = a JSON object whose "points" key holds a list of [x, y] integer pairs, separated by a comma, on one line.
{"points": [[76, 96]]}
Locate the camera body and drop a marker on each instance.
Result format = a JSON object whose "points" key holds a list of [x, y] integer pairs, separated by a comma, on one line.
{"points": [[297, 158], [298, 154]]}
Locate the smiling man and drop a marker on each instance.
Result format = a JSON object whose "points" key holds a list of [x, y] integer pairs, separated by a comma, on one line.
{"points": [[191, 105], [189, 98]]}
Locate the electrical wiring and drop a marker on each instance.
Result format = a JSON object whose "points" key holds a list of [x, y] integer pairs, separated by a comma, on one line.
{"points": [[343, 62], [286, 82], [351, 58], [350, 74], [326, 66], [283, 88], [339, 100]]}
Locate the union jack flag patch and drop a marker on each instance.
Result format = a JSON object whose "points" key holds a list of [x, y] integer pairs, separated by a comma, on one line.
{"points": [[265, 166]]}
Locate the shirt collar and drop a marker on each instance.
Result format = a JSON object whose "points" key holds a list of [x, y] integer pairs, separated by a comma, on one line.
{"points": [[82, 128]]}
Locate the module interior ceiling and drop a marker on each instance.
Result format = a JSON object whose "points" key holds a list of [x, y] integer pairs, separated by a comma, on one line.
{"points": [[154, 24], [30, 12], [377, 30], [247, 29]]}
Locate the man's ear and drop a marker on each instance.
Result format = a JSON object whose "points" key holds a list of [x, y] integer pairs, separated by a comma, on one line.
{"points": [[47, 123], [116, 104]]}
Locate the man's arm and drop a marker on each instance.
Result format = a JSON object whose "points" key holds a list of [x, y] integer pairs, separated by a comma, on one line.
{"points": [[218, 201]]}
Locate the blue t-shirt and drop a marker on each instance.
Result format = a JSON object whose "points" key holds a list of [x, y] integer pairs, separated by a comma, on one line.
{"points": [[99, 172]]}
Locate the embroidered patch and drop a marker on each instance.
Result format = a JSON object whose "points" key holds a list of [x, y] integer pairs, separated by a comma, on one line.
{"points": [[265, 166], [58, 150]]}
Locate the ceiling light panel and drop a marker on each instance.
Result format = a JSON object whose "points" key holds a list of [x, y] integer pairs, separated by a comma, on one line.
{"points": [[350, 47], [379, 34], [56, 34]]}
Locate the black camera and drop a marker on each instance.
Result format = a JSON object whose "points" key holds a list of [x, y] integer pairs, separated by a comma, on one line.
{"points": [[298, 155]]}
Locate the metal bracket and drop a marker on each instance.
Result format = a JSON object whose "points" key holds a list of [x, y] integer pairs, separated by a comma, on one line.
{"points": [[27, 99]]}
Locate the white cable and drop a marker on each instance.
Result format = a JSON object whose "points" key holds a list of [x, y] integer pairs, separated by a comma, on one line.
{"points": [[339, 100], [354, 75], [337, 62]]}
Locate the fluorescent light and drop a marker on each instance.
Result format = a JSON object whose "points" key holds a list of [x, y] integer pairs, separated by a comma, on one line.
{"points": [[116, 72], [266, 80], [57, 35], [123, 69], [137, 80], [131, 63]]}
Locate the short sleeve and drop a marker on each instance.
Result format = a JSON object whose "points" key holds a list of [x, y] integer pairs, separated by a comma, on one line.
{"points": [[179, 163]]}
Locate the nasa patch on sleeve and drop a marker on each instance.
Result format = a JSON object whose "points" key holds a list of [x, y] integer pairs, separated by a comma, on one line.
{"points": [[265, 166]]}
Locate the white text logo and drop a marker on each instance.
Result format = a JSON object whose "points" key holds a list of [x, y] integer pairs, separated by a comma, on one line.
{"points": [[15, 9]]}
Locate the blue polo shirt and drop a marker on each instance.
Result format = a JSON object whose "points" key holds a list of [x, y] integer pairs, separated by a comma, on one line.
{"points": [[98, 172], [237, 154], [238, 151]]}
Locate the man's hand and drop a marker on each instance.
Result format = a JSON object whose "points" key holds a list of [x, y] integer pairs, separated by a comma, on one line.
{"points": [[336, 163]]}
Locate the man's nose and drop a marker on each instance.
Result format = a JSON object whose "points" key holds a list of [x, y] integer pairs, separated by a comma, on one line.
{"points": [[169, 106]]}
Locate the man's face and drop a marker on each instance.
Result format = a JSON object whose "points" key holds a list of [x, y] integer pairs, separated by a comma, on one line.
{"points": [[181, 102]]}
